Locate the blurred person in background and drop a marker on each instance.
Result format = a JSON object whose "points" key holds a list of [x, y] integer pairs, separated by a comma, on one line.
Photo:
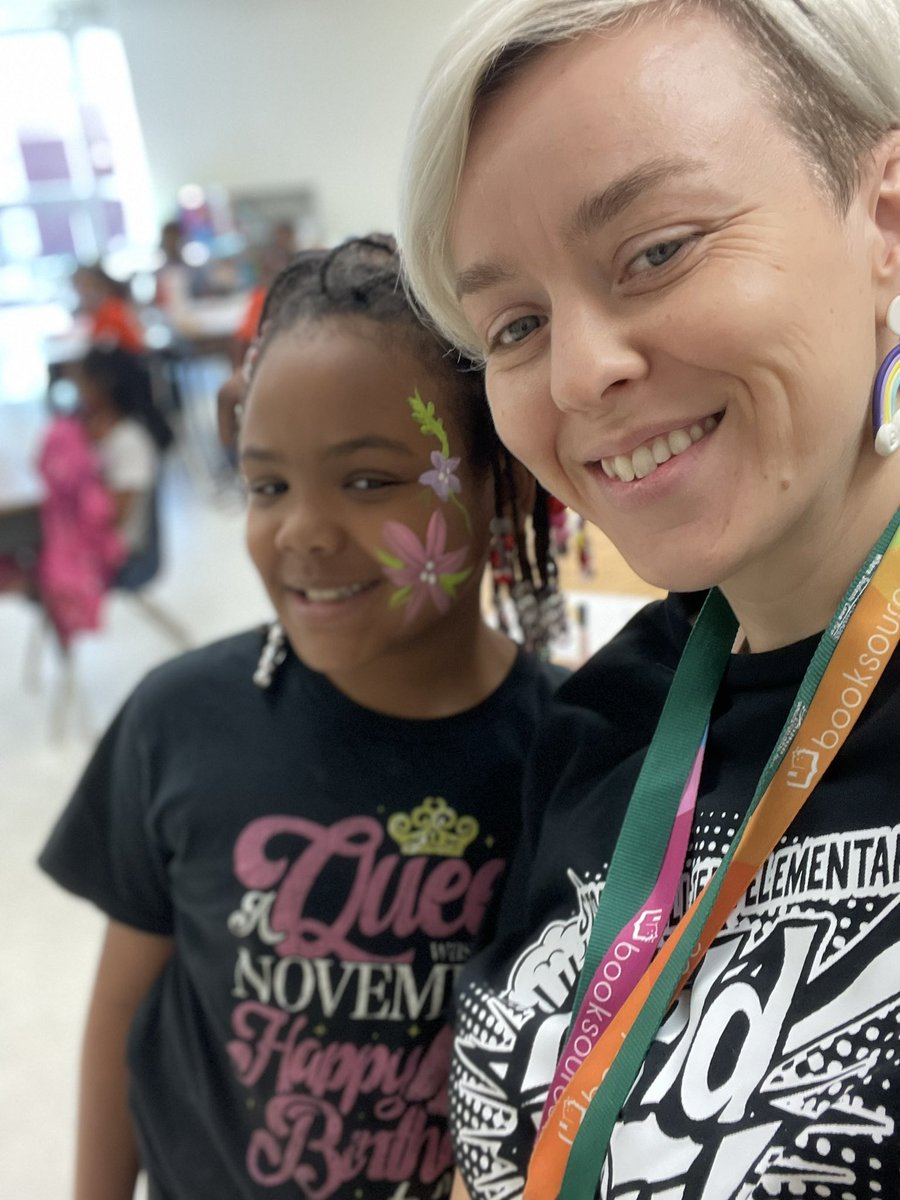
{"points": [[110, 314], [273, 258], [173, 276], [129, 432]]}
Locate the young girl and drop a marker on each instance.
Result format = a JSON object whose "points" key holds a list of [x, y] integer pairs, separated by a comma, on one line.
{"points": [[299, 836], [129, 433]]}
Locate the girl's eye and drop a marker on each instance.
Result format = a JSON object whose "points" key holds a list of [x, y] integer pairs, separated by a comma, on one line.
{"points": [[657, 256], [266, 488], [366, 483], [517, 331]]}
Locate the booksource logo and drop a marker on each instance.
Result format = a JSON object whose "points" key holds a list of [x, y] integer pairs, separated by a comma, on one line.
{"points": [[647, 928], [803, 769]]}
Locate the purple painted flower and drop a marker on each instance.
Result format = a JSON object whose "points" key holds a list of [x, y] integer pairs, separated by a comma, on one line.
{"points": [[422, 572], [442, 479]]}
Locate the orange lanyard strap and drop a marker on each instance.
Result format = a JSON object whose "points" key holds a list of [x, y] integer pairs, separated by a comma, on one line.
{"points": [[849, 660]]}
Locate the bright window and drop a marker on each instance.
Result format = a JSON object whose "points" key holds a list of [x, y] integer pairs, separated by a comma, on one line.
{"points": [[74, 182]]}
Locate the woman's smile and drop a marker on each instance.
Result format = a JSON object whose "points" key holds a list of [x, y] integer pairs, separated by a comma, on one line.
{"points": [[655, 452]]}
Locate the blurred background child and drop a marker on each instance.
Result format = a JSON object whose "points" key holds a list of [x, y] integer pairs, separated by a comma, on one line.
{"points": [[129, 432], [112, 319]]}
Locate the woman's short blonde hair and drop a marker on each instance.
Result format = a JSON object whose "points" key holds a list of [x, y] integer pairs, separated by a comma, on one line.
{"points": [[830, 69]]}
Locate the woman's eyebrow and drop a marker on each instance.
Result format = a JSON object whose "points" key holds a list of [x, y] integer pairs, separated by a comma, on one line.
{"points": [[597, 209], [479, 277], [602, 207]]}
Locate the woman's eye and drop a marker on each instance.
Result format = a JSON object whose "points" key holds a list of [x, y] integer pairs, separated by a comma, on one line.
{"points": [[657, 256], [517, 331]]}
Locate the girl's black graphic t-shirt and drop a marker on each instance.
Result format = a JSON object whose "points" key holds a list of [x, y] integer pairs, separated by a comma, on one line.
{"points": [[325, 872]]}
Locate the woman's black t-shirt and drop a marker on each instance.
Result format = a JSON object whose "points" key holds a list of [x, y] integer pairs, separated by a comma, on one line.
{"points": [[777, 1073]]}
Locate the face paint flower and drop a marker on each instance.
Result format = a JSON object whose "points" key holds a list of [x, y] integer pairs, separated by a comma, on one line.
{"points": [[422, 572], [441, 480]]}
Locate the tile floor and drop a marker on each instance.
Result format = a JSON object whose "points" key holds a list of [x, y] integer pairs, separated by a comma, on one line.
{"points": [[51, 940]]}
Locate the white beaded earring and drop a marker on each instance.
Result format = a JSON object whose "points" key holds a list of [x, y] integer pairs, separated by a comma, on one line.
{"points": [[885, 417], [273, 655]]}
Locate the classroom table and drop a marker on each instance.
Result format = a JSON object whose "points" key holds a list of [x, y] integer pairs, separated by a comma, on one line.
{"points": [[21, 492], [205, 329]]}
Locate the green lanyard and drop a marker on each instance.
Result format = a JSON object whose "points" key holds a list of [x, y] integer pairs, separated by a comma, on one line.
{"points": [[645, 832], [638, 854]]}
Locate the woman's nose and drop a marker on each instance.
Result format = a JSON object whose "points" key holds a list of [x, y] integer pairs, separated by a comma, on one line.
{"points": [[309, 528], [592, 357]]}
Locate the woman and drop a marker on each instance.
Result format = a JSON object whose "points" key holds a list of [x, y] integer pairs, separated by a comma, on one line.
{"points": [[672, 230]]}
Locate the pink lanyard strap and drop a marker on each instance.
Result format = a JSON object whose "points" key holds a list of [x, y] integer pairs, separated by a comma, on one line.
{"points": [[632, 950]]}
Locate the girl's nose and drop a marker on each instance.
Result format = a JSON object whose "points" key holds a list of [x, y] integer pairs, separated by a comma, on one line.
{"points": [[592, 356], [309, 529]]}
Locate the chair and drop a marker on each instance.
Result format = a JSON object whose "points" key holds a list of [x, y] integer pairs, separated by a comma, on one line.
{"points": [[140, 568]]}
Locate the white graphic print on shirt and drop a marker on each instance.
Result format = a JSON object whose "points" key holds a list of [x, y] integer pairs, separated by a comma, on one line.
{"points": [[774, 1074]]}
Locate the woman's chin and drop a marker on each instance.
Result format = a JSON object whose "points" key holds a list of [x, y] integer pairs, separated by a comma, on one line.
{"points": [[671, 569]]}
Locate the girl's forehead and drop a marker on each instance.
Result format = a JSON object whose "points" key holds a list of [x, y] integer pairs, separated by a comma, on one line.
{"points": [[348, 345], [332, 377]]}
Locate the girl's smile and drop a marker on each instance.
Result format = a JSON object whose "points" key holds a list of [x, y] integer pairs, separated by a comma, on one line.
{"points": [[331, 603], [332, 595]]}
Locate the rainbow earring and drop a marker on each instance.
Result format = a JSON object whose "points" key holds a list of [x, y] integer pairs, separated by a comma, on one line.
{"points": [[885, 417]]}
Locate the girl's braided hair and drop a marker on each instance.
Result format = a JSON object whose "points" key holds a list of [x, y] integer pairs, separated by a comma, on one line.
{"points": [[362, 278]]}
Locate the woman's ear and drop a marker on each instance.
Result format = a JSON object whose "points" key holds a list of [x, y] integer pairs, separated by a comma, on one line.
{"points": [[881, 180]]}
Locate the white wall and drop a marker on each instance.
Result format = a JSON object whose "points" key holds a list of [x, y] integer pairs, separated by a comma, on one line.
{"points": [[251, 93]]}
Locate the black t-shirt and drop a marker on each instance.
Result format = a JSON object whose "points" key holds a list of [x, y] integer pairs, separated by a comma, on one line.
{"points": [[777, 1073], [325, 871]]}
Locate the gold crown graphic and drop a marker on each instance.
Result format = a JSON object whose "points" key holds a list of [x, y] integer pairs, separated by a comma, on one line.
{"points": [[432, 828]]}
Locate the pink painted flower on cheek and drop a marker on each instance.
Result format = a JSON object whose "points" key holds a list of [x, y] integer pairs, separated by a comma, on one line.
{"points": [[422, 571]]}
